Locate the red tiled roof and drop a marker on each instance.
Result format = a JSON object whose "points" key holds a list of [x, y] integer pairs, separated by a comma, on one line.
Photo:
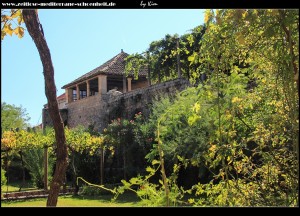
{"points": [[114, 66], [62, 96]]}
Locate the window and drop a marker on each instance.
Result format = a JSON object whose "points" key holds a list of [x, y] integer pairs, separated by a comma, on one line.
{"points": [[82, 94], [74, 96]]}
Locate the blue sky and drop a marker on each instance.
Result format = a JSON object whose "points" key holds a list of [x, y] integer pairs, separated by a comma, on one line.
{"points": [[79, 41]]}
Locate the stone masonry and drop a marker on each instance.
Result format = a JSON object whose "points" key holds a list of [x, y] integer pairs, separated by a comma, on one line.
{"points": [[99, 110]]}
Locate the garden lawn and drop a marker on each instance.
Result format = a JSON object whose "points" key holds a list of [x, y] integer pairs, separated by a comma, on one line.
{"points": [[15, 186], [125, 200]]}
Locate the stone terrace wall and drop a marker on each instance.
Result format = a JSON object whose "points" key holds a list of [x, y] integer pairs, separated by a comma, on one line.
{"points": [[140, 100], [99, 110], [47, 120], [87, 111]]}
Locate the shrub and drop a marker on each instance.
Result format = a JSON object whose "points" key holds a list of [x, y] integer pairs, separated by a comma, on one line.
{"points": [[3, 179], [34, 162]]}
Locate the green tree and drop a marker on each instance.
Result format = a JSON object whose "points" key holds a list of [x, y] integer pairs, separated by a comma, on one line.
{"points": [[247, 107], [120, 134], [164, 52], [190, 46], [13, 117], [161, 56], [3, 179], [257, 43], [256, 136]]}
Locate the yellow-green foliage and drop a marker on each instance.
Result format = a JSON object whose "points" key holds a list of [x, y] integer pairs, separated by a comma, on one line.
{"points": [[76, 139]]}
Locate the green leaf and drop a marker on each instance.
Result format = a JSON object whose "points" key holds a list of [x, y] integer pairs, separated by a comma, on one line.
{"points": [[161, 182], [155, 162], [193, 119], [150, 169], [191, 58], [134, 180], [196, 107]]}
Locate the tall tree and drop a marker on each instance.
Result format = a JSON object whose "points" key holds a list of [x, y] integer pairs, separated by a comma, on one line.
{"points": [[255, 42], [264, 45], [161, 56], [35, 30], [13, 117]]}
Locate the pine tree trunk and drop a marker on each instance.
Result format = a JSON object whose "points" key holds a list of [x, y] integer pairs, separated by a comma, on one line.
{"points": [[36, 32], [23, 171]]}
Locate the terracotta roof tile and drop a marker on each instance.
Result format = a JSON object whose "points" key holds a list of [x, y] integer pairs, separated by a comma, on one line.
{"points": [[62, 96], [114, 66]]}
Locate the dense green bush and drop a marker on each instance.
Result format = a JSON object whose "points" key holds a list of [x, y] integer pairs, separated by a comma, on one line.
{"points": [[3, 177], [34, 162], [128, 155]]}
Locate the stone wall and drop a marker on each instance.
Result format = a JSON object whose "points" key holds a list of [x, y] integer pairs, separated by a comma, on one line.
{"points": [[142, 84], [87, 111], [46, 120], [98, 110], [140, 100]]}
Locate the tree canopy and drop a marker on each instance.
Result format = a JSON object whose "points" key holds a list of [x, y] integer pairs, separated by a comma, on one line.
{"points": [[161, 56], [13, 117]]}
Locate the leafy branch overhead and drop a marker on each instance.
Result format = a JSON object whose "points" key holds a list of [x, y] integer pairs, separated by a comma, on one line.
{"points": [[11, 23]]}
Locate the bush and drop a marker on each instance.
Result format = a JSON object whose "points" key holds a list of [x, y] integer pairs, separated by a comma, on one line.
{"points": [[128, 154], [34, 162], [3, 178]]}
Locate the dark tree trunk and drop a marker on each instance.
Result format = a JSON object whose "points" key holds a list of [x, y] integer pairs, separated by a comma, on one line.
{"points": [[36, 32], [46, 168], [124, 163], [148, 67], [23, 171], [74, 176], [101, 165], [178, 60]]}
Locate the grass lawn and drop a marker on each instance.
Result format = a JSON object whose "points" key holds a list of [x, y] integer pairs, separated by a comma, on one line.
{"points": [[15, 186], [124, 200]]}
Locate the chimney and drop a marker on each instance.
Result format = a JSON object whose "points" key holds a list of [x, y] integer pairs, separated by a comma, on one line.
{"points": [[121, 50]]}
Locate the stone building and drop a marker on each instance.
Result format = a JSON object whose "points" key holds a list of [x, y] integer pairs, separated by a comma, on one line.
{"points": [[106, 93], [84, 97], [106, 77], [61, 100]]}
